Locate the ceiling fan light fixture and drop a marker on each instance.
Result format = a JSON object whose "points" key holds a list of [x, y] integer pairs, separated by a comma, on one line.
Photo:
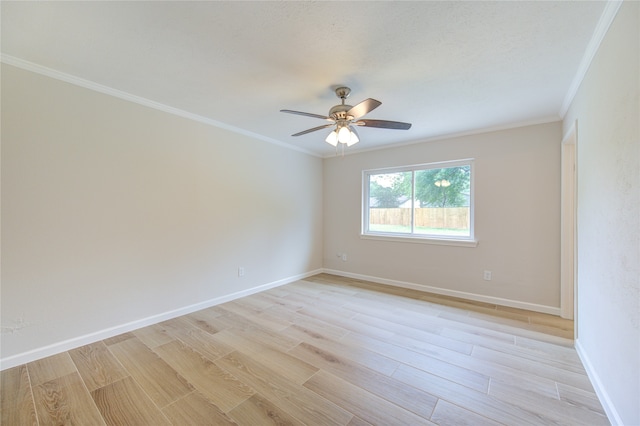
{"points": [[344, 134], [353, 139], [332, 138]]}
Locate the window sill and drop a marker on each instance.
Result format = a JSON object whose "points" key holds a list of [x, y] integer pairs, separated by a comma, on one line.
{"points": [[421, 240]]}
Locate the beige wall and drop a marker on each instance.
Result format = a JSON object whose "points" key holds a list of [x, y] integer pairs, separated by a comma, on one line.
{"points": [[114, 213], [517, 219], [607, 112]]}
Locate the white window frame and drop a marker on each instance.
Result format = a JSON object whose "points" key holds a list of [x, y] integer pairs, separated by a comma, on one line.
{"points": [[466, 241]]}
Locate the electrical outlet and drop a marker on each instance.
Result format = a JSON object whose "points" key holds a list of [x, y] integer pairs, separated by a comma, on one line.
{"points": [[344, 257], [241, 271], [487, 275]]}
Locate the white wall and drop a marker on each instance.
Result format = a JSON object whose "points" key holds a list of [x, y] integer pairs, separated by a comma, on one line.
{"points": [[114, 213], [517, 219], [608, 217]]}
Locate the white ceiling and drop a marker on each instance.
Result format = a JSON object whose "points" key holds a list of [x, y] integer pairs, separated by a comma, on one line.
{"points": [[447, 67]]}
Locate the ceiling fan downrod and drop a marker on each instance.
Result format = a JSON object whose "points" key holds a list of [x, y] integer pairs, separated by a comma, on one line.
{"points": [[339, 112]]}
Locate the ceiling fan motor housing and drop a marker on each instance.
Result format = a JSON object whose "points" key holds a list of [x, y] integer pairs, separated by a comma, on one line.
{"points": [[339, 112]]}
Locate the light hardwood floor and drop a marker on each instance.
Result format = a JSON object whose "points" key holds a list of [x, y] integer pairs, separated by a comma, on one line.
{"points": [[325, 350]]}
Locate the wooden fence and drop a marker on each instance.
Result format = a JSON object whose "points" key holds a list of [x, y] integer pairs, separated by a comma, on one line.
{"points": [[429, 217]]}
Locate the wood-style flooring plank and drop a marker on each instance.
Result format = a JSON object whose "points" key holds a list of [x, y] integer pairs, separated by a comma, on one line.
{"points": [[416, 334], [65, 401], [257, 338], [125, 403], [477, 402], [296, 400], [551, 355], [259, 411], [277, 291], [157, 378], [254, 302], [97, 365], [223, 320], [280, 302], [207, 320], [210, 380], [229, 317], [311, 325], [477, 335], [349, 350], [260, 316], [580, 398], [549, 320], [273, 322], [237, 341], [117, 339], [413, 399], [505, 373], [466, 377], [555, 411], [333, 282], [536, 368], [241, 309], [395, 320], [560, 331], [455, 366], [192, 335], [357, 421], [16, 401], [287, 366], [153, 336], [340, 318], [448, 414], [566, 352], [363, 404], [49, 368], [195, 409], [511, 326], [405, 311]]}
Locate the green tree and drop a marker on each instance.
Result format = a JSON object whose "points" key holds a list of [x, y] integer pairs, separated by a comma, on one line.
{"points": [[390, 190], [448, 187]]}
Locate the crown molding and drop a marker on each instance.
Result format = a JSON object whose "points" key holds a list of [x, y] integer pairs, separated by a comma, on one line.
{"points": [[607, 17], [87, 84]]}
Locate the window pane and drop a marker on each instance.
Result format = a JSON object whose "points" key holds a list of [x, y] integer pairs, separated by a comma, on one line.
{"points": [[442, 204], [390, 202]]}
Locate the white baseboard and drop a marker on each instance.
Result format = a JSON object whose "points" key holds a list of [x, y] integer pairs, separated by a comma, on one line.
{"points": [[454, 293], [603, 396], [86, 339], [58, 347]]}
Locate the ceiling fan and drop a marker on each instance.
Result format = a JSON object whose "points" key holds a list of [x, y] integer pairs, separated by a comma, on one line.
{"points": [[345, 117]]}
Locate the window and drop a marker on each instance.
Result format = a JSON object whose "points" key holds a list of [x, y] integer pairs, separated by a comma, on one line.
{"points": [[427, 202]]}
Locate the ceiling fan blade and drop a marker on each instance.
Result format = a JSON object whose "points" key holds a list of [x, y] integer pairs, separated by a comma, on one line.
{"points": [[308, 114], [304, 132], [363, 108], [384, 124]]}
